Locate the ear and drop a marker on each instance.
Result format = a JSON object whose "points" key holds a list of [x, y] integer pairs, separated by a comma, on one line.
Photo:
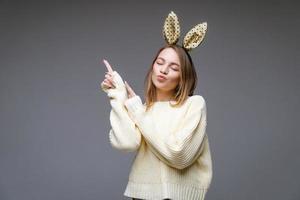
{"points": [[195, 36], [171, 28]]}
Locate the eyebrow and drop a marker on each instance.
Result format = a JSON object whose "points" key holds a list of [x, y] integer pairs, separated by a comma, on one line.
{"points": [[171, 62]]}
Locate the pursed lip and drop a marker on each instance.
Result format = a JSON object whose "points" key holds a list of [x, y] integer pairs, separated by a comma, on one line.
{"points": [[162, 77]]}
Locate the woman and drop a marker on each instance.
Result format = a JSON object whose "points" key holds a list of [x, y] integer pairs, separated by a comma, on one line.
{"points": [[168, 131]]}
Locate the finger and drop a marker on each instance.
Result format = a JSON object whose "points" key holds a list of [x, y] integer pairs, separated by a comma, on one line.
{"points": [[110, 77], [106, 82], [109, 68], [105, 85], [126, 86], [108, 73], [111, 82], [129, 88]]}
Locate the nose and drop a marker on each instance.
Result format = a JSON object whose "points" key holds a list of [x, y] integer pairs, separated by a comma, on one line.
{"points": [[164, 69]]}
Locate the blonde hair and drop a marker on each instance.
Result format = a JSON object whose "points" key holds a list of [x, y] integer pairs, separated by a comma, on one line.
{"points": [[187, 83]]}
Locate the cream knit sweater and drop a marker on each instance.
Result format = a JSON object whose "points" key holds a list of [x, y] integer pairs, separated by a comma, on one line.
{"points": [[173, 157]]}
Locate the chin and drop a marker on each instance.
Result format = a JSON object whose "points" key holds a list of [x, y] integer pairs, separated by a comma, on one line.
{"points": [[161, 86], [158, 84]]}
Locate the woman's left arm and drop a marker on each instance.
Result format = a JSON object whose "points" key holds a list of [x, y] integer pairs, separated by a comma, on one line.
{"points": [[178, 149]]}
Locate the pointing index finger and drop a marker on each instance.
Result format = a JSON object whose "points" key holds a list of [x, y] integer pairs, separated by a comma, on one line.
{"points": [[109, 68]]}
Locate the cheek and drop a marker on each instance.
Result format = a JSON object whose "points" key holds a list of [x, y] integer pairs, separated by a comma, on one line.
{"points": [[155, 68], [175, 78]]}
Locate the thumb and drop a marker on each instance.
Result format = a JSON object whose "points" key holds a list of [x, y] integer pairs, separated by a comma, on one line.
{"points": [[126, 86], [131, 91]]}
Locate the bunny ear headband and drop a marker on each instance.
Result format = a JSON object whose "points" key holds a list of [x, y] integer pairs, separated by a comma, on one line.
{"points": [[171, 32]]}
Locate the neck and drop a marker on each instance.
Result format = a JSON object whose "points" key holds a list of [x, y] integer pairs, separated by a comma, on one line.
{"points": [[164, 96]]}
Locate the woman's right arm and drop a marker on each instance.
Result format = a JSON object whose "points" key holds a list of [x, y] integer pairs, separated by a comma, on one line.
{"points": [[124, 134]]}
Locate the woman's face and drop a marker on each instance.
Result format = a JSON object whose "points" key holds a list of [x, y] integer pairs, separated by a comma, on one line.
{"points": [[167, 64]]}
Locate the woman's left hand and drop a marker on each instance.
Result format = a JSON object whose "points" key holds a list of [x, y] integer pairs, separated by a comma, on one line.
{"points": [[130, 91]]}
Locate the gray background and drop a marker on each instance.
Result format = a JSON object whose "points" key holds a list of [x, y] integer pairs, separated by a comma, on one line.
{"points": [[55, 121]]}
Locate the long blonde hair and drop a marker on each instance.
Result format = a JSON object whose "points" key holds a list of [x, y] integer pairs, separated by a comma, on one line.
{"points": [[187, 83]]}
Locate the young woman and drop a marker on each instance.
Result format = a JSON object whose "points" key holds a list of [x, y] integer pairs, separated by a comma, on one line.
{"points": [[168, 131]]}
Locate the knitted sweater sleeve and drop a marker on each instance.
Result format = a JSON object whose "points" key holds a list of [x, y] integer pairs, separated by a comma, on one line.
{"points": [[124, 134], [180, 148]]}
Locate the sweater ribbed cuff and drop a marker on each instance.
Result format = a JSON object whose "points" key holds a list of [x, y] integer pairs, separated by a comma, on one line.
{"points": [[134, 106]]}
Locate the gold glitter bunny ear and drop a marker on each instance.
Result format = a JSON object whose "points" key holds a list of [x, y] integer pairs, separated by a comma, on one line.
{"points": [[171, 29], [195, 36]]}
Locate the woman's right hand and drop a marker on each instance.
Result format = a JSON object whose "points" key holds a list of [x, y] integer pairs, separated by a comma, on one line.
{"points": [[108, 82], [113, 84]]}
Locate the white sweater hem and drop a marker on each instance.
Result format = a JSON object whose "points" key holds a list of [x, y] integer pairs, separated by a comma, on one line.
{"points": [[159, 191]]}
